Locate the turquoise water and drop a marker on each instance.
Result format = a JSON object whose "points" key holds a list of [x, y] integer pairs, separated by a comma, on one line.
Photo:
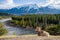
{"points": [[17, 30]]}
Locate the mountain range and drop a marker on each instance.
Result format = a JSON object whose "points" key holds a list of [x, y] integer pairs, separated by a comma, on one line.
{"points": [[31, 9]]}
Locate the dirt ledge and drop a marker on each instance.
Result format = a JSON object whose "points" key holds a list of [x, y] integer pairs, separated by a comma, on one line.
{"points": [[29, 37]]}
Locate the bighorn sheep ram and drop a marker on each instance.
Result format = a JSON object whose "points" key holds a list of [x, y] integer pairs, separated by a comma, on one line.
{"points": [[41, 32]]}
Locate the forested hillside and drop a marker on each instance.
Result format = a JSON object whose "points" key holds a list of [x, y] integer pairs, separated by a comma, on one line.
{"points": [[48, 22]]}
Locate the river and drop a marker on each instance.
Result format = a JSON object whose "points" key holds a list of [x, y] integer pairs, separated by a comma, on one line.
{"points": [[16, 30]]}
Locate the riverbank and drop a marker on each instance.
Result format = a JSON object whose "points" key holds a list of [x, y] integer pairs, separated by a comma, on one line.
{"points": [[4, 20], [15, 30]]}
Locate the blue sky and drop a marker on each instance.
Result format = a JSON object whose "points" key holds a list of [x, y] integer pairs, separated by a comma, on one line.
{"points": [[28, 1], [22, 1], [8, 4]]}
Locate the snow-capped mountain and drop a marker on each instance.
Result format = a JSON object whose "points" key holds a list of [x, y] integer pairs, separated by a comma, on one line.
{"points": [[30, 8]]}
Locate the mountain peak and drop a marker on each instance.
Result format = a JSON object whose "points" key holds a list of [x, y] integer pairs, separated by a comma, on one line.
{"points": [[35, 6], [30, 8]]}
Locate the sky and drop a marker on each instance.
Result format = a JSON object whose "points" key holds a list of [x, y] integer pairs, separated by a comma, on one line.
{"points": [[8, 4]]}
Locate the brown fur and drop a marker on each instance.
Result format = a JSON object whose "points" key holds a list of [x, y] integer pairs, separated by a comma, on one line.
{"points": [[41, 32]]}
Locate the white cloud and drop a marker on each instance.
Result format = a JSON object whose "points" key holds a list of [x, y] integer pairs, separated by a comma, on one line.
{"points": [[55, 4], [50, 3], [46, 3], [9, 1], [8, 4]]}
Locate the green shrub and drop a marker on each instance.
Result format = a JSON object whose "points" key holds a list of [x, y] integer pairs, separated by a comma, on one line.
{"points": [[2, 30], [54, 30]]}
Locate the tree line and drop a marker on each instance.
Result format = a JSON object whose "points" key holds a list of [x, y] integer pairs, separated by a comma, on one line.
{"points": [[36, 20]]}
